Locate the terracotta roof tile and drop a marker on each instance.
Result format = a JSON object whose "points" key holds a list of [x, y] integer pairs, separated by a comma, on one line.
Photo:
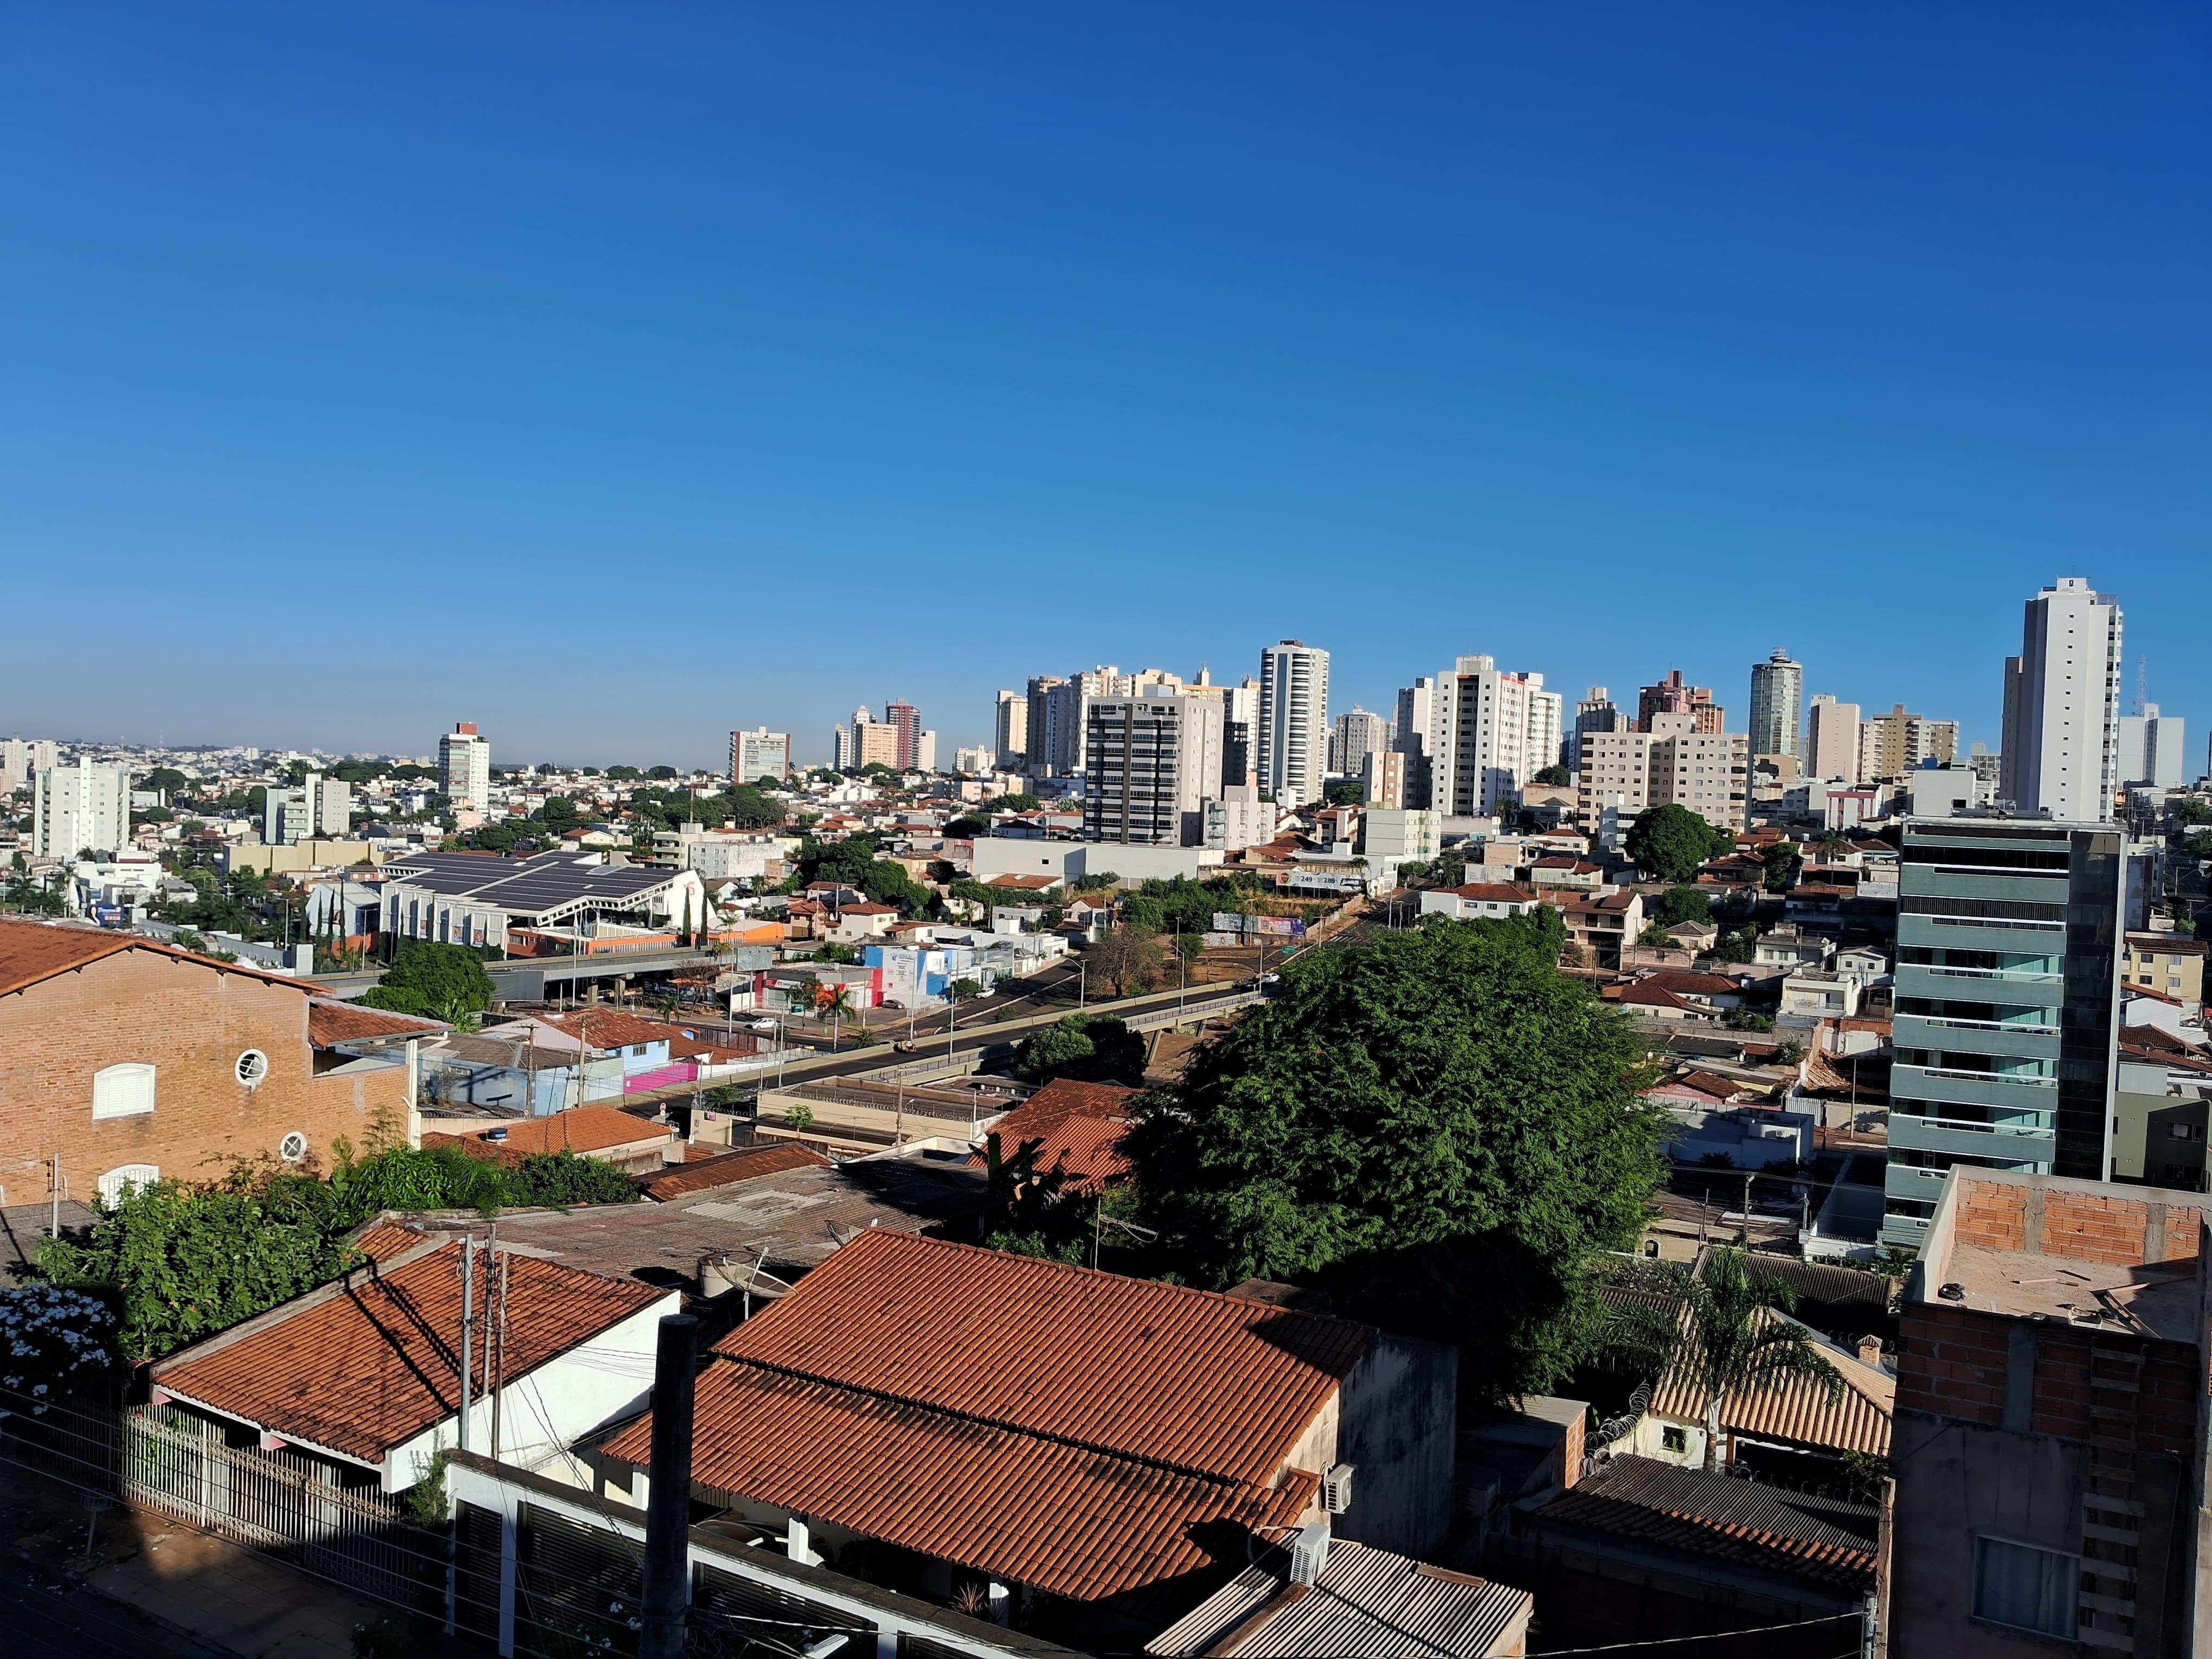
{"points": [[1738, 1521], [384, 1240], [580, 1129], [707, 1173], [1189, 1379], [33, 951], [1061, 1517], [372, 1365], [331, 1021], [605, 1028], [1078, 1128], [1494, 892]]}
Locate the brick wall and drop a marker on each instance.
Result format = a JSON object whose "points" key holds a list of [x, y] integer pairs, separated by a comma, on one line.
{"points": [[1953, 1362], [1992, 1215], [191, 1023], [2080, 1226]]}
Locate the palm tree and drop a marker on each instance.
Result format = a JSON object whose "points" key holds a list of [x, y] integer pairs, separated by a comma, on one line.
{"points": [[833, 1003], [1727, 1336]]}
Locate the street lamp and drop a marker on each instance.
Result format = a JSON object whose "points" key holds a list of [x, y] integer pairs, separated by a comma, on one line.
{"points": [[1082, 983]]}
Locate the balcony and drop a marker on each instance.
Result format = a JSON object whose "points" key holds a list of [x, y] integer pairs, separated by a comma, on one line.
{"points": [[1976, 1037], [1937, 1084], [2024, 888], [2014, 1145], [1977, 933], [2016, 986]]}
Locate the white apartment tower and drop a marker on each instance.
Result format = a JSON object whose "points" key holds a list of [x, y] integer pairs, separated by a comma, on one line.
{"points": [[759, 753], [81, 806], [1294, 736], [2150, 749], [1417, 719], [1832, 739], [1490, 733], [2062, 707], [1010, 728], [464, 767], [1777, 691]]}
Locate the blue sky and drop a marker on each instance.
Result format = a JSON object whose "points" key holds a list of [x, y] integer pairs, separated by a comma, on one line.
{"points": [[615, 376]]}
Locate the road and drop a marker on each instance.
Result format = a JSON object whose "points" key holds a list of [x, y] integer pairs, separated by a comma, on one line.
{"points": [[79, 1624]]}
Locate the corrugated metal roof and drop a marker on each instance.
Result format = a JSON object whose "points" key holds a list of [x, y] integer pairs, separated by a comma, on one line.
{"points": [[1191, 1379], [1819, 1539], [1065, 1518], [1367, 1601], [374, 1362], [730, 1167]]}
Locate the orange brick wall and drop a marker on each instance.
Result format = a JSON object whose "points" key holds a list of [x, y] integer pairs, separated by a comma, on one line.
{"points": [[1993, 1216], [191, 1023], [2076, 1226]]}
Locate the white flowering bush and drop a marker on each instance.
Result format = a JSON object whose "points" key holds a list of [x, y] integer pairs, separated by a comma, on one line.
{"points": [[53, 1342]]}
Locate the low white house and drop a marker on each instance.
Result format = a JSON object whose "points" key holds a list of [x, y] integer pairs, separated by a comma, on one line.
{"points": [[362, 1376], [1477, 900]]}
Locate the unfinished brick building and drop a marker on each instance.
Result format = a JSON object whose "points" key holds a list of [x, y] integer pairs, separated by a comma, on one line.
{"points": [[2051, 1428]]}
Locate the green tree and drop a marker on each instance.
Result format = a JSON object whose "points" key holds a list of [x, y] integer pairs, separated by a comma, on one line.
{"points": [[1349, 792], [1554, 777], [1437, 1124], [1126, 960], [965, 828], [1018, 802], [1654, 934], [1782, 859], [1731, 1340], [443, 981], [1681, 904], [1671, 841], [1088, 1048]]}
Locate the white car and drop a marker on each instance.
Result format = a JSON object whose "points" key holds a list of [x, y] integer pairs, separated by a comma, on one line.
{"points": [[760, 1025]]}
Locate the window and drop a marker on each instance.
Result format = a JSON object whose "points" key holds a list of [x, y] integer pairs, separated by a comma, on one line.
{"points": [[125, 1090], [293, 1147], [2024, 1587], [122, 1177], [1675, 1440], [253, 1067], [2185, 1131]]}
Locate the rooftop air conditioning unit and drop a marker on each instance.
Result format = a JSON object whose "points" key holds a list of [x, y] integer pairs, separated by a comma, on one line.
{"points": [[1310, 1552], [1336, 1489]]}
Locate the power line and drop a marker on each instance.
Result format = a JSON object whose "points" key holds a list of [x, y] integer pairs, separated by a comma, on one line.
{"points": [[1709, 1635]]}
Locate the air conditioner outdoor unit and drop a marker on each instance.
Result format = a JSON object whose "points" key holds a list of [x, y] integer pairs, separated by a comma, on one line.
{"points": [[1336, 1489]]}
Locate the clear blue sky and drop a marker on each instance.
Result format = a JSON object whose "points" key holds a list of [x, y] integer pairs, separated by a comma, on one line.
{"points": [[612, 376]]}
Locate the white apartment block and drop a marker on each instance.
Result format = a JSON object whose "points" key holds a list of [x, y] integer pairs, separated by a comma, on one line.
{"points": [[1151, 764], [2061, 706], [1893, 745], [2151, 749], [81, 806], [20, 758], [1832, 739], [1352, 737], [1490, 733], [1777, 687], [1293, 735], [464, 767], [1010, 727], [320, 808], [759, 753], [1417, 719], [1383, 781]]}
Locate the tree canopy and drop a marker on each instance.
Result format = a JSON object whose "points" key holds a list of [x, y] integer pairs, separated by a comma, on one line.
{"points": [[1681, 904], [1090, 1048], [1435, 1124], [1553, 777], [1671, 841], [444, 981]]}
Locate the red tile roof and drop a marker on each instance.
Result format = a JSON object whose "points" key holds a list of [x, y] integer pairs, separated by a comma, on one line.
{"points": [[1078, 1128], [1061, 1517], [605, 1028], [331, 1021], [32, 952], [707, 1173], [1494, 892], [371, 1364], [581, 1129], [384, 1239], [1187, 1379]]}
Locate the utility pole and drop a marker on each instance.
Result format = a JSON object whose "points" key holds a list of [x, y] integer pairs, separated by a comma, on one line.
{"points": [[468, 1315], [668, 1498], [496, 1341]]}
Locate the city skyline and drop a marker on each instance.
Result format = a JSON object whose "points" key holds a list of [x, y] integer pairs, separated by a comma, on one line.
{"points": [[1468, 315]]}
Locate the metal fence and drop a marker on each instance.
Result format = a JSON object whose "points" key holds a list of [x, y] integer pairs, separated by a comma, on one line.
{"points": [[282, 1503]]}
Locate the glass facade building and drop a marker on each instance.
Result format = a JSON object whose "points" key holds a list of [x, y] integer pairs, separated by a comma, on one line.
{"points": [[2008, 935]]}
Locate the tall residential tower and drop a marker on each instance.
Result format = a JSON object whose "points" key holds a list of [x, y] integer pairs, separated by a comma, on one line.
{"points": [[1778, 695], [2061, 706]]}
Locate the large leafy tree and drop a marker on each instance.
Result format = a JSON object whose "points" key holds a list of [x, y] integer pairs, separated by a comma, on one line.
{"points": [[445, 981], [1090, 1047], [1437, 1124], [1671, 841]]}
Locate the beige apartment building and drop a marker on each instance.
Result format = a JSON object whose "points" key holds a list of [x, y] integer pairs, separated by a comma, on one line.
{"points": [[1674, 763], [1892, 744]]}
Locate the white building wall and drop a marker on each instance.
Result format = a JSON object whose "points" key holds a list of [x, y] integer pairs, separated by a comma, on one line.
{"points": [[74, 807], [1292, 737], [2062, 706], [1832, 740]]}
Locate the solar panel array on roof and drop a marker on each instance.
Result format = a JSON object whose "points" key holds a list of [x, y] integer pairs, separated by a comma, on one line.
{"points": [[533, 884]]}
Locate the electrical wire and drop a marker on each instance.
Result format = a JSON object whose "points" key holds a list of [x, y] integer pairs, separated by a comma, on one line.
{"points": [[1707, 1636]]}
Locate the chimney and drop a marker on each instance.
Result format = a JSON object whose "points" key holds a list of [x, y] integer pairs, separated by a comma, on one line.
{"points": [[1870, 1350]]}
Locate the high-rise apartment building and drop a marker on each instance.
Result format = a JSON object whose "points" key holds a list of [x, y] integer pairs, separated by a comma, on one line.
{"points": [[1672, 764], [1382, 780], [319, 808], [1040, 724], [925, 752], [759, 753], [464, 767], [1293, 746], [2150, 749], [20, 758], [1594, 713], [1893, 745], [75, 808], [1491, 733], [2009, 938], [1415, 726], [1150, 763], [905, 719], [2061, 706], [1352, 737], [1672, 697], [1832, 739], [1777, 693], [868, 742], [1010, 729]]}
